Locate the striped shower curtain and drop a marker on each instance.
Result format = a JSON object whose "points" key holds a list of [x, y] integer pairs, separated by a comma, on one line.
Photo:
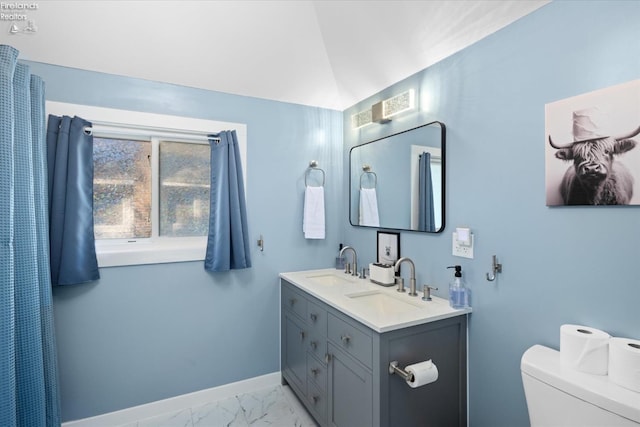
{"points": [[28, 366]]}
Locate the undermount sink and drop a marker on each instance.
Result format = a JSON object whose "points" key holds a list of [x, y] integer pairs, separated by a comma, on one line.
{"points": [[330, 279], [382, 303]]}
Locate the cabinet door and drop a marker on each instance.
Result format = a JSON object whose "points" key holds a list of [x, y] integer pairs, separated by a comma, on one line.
{"points": [[295, 352], [293, 300], [350, 391]]}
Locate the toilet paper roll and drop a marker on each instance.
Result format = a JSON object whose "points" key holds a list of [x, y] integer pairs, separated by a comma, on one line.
{"points": [[422, 373], [624, 363], [584, 349]]}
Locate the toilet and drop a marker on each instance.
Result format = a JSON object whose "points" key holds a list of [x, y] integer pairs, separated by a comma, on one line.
{"points": [[560, 396]]}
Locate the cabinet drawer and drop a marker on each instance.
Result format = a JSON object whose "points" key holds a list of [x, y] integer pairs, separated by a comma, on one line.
{"points": [[317, 345], [350, 339], [316, 372], [293, 301], [317, 318], [318, 402]]}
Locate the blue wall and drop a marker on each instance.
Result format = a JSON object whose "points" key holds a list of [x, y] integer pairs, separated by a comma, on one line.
{"points": [[146, 333], [562, 264]]}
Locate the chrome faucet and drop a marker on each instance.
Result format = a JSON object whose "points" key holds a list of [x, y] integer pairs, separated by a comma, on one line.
{"points": [[355, 260], [412, 280]]}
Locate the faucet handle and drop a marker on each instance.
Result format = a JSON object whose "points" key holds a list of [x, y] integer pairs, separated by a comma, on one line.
{"points": [[347, 268], [427, 292], [400, 283]]}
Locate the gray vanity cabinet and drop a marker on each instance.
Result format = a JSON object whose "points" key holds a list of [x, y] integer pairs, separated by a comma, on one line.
{"points": [[339, 368]]}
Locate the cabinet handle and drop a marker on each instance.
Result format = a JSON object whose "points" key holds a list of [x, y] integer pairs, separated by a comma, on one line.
{"points": [[315, 371], [314, 344], [327, 358], [302, 334], [313, 317], [345, 339]]}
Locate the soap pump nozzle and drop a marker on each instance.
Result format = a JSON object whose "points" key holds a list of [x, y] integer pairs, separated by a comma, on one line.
{"points": [[458, 269]]}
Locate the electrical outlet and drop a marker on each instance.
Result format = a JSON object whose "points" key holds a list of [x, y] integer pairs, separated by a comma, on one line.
{"points": [[462, 250]]}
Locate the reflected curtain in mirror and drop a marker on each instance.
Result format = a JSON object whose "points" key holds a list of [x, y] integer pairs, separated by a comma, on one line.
{"points": [[228, 239], [28, 366], [426, 217], [70, 168]]}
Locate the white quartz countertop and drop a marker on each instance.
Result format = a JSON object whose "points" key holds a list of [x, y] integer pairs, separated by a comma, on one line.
{"points": [[380, 308]]}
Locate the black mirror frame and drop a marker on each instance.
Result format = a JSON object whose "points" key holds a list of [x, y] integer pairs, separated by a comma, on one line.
{"points": [[443, 138]]}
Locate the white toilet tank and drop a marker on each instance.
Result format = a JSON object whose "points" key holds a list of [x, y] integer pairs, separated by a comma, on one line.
{"points": [[559, 396]]}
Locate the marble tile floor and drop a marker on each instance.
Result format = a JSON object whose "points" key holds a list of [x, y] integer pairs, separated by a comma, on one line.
{"points": [[275, 406]]}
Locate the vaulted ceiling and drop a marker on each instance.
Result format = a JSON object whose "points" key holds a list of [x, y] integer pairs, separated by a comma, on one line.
{"points": [[322, 53]]}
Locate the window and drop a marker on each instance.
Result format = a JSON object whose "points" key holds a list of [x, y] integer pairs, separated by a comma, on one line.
{"points": [[121, 188], [184, 189], [151, 184], [124, 206]]}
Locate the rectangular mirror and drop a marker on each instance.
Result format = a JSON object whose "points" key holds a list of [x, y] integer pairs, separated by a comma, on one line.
{"points": [[398, 182]]}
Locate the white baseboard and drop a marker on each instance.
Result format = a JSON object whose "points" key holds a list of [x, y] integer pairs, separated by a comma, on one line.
{"points": [[177, 403]]}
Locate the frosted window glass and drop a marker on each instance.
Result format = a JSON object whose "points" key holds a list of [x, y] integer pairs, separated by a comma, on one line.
{"points": [[184, 189], [121, 188]]}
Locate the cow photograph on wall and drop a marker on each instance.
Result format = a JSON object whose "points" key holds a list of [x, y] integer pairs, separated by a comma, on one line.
{"points": [[592, 148]]}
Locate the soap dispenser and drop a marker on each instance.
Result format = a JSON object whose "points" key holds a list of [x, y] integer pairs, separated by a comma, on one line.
{"points": [[458, 293]]}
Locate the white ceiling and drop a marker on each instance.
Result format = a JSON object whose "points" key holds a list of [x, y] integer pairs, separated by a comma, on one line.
{"points": [[323, 53]]}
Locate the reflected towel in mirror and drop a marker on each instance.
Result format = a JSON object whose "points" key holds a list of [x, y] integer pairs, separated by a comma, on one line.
{"points": [[369, 207], [313, 215]]}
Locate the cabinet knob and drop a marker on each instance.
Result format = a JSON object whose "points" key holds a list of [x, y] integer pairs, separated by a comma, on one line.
{"points": [[327, 358], [292, 301], [313, 344], [345, 339], [302, 334], [315, 399], [313, 317], [315, 371]]}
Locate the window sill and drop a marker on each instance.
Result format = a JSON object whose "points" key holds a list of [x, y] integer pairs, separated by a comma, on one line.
{"points": [[114, 253]]}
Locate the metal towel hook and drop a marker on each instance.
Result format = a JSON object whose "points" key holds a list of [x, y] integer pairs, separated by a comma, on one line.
{"points": [[366, 170], [495, 268], [313, 165]]}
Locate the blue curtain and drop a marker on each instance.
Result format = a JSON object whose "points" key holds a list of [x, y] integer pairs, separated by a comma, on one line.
{"points": [[228, 240], [70, 159], [426, 217], [28, 365]]}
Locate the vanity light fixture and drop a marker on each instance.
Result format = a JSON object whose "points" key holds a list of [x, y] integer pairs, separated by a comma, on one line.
{"points": [[382, 111], [377, 113], [361, 119], [398, 104]]}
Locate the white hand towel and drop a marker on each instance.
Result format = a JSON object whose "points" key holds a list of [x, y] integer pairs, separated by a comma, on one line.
{"points": [[369, 207], [313, 215]]}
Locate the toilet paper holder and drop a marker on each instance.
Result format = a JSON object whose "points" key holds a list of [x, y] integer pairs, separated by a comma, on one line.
{"points": [[394, 369]]}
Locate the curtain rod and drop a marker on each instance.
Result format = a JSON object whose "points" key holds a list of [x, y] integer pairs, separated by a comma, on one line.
{"points": [[432, 157], [122, 129]]}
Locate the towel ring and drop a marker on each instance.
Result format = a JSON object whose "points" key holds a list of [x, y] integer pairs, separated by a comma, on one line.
{"points": [[313, 165], [367, 171]]}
